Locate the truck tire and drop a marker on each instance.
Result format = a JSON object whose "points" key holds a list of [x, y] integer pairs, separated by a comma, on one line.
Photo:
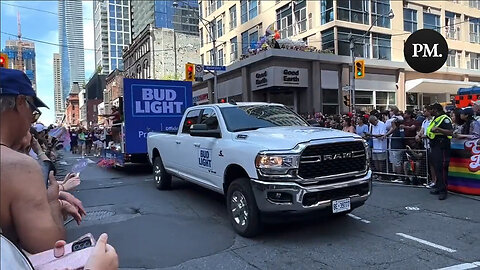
{"points": [[162, 179], [242, 208]]}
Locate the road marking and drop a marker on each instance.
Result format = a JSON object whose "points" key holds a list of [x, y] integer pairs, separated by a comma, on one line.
{"points": [[412, 208], [462, 266], [358, 218], [425, 242]]}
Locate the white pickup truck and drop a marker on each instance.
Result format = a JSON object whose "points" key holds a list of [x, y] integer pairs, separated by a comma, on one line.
{"points": [[265, 159]]}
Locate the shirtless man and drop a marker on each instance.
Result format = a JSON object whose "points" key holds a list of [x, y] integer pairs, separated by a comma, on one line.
{"points": [[30, 215]]}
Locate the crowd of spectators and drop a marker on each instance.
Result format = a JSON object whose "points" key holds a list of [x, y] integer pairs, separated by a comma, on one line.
{"points": [[397, 139], [35, 203]]}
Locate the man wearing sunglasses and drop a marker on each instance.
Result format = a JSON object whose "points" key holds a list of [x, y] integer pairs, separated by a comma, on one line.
{"points": [[30, 215]]}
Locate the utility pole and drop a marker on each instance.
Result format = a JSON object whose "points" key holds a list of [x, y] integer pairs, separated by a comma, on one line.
{"points": [[352, 76]]}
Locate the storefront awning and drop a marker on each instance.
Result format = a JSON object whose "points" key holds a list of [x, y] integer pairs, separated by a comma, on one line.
{"points": [[434, 86]]}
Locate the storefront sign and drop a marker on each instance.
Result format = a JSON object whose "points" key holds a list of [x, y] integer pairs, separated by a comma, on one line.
{"points": [[200, 96], [279, 76]]}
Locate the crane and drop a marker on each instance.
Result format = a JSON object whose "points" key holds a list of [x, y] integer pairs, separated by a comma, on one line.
{"points": [[19, 61]]}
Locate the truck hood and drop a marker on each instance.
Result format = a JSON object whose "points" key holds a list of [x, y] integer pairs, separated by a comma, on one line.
{"points": [[286, 138]]}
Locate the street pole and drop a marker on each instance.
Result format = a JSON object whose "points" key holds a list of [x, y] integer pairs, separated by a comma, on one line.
{"points": [[352, 76], [215, 94], [175, 52]]}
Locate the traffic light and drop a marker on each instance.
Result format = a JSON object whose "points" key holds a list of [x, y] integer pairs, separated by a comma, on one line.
{"points": [[3, 60], [346, 101], [359, 69], [190, 72]]}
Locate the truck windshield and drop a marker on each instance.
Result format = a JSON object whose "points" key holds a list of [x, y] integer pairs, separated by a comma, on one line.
{"points": [[253, 117]]}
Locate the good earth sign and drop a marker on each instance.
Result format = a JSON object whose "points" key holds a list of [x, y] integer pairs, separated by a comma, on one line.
{"points": [[152, 105]]}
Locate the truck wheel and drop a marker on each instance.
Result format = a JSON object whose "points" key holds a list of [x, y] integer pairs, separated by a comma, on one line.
{"points": [[163, 180], [242, 208]]}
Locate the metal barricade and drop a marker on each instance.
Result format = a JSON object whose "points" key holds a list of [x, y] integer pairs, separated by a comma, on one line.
{"points": [[408, 165]]}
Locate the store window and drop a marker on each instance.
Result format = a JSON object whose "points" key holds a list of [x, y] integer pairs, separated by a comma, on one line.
{"points": [[379, 10], [431, 21], [364, 97], [330, 101], [220, 28], [300, 9], [362, 45], [233, 49], [233, 17], [245, 42], [326, 11], [382, 48], [410, 20], [356, 11], [328, 40], [220, 57], [384, 99], [249, 10], [284, 21], [474, 30], [473, 60]]}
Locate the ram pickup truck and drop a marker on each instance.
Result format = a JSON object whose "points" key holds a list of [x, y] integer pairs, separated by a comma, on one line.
{"points": [[265, 159]]}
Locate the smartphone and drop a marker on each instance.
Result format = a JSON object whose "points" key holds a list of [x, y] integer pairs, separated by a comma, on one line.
{"points": [[75, 256]]}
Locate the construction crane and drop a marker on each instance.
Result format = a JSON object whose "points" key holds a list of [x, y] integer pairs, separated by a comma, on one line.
{"points": [[19, 61]]}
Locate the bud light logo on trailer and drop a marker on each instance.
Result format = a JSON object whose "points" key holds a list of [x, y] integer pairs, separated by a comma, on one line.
{"points": [[152, 105]]}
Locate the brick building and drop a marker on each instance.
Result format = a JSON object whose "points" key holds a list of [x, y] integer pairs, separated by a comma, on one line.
{"points": [[72, 111]]}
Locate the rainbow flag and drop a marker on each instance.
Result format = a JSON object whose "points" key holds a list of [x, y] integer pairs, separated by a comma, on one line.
{"points": [[463, 172]]}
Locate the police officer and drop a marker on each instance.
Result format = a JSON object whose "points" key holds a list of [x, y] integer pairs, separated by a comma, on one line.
{"points": [[440, 133]]}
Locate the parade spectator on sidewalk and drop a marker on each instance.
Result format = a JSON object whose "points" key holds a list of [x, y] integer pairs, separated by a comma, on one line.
{"points": [[457, 120], [476, 109], [347, 125], [422, 137], [362, 128], [379, 150], [410, 129], [397, 146], [470, 130], [30, 215], [440, 133]]}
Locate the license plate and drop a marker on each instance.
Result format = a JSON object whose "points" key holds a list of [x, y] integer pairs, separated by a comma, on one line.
{"points": [[341, 205]]}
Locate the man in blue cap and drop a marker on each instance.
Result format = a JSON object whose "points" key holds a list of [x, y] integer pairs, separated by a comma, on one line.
{"points": [[30, 215]]}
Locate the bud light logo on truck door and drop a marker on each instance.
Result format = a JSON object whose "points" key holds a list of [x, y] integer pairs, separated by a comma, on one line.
{"points": [[153, 105]]}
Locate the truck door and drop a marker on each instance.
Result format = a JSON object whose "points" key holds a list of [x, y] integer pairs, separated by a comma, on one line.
{"points": [[207, 150]]}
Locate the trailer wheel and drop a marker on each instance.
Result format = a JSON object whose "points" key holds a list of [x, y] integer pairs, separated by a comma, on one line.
{"points": [[162, 179], [242, 208]]}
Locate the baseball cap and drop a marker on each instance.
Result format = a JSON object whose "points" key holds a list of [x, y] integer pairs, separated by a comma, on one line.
{"points": [[39, 127], [467, 111], [15, 82]]}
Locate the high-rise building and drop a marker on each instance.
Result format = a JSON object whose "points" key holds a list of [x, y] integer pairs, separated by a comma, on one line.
{"points": [[26, 62], [182, 16], [112, 33], [238, 28], [59, 100], [70, 35]]}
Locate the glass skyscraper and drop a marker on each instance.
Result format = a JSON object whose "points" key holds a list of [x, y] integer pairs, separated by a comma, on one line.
{"points": [[70, 35], [162, 14], [112, 33]]}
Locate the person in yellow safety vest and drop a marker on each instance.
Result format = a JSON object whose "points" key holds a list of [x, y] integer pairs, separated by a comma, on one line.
{"points": [[440, 133]]}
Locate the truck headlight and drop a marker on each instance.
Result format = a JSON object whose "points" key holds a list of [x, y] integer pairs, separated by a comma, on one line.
{"points": [[269, 164]]}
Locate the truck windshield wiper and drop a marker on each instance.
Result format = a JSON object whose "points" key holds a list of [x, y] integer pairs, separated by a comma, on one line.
{"points": [[245, 129]]}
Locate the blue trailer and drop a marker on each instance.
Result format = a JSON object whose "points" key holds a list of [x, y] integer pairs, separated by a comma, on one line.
{"points": [[148, 105]]}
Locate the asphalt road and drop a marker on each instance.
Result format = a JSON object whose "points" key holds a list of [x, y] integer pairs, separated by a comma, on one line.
{"points": [[187, 228]]}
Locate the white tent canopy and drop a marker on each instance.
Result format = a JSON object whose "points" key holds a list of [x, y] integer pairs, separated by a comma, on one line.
{"points": [[434, 86]]}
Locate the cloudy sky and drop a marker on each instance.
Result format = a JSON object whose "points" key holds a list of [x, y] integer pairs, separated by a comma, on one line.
{"points": [[40, 22]]}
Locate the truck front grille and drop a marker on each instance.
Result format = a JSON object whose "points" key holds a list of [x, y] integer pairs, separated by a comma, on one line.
{"points": [[334, 194], [331, 159]]}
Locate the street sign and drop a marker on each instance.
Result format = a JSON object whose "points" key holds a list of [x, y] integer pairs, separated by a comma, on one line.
{"points": [[198, 69], [215, 68]]}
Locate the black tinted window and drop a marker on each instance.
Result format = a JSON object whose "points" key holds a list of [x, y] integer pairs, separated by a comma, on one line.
{"points": [[209, 118], [190, 119], [259, 116]]}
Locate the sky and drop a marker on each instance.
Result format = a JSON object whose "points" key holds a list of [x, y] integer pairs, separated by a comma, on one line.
{"points": [[43, 26]]}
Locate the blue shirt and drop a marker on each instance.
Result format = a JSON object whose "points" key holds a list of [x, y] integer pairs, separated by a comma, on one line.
{"points": [[361, 130]]}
